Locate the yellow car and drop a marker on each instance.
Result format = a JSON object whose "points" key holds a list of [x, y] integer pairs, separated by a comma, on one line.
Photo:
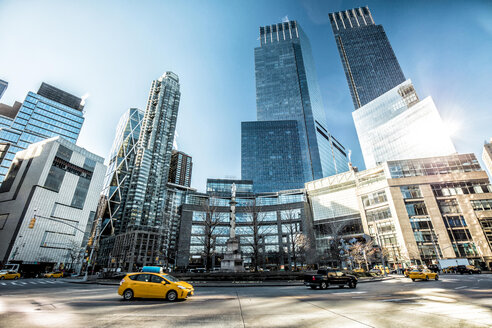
{"points": [[4, 274], [54, 275], [423, 274], [154, 285]]}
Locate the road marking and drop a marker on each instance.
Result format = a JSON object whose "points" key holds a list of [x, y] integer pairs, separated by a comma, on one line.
{"points": [[13, 283], [33, 282], [42, 282], [24, 283], [3, 283], [461, 287], [50, 282], [400, 299]]}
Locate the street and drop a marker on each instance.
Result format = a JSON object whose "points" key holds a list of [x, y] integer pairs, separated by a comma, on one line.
{"points": [[453, 301]]}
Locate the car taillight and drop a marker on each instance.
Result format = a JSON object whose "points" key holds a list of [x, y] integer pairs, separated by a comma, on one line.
{"points": [[314, 278], [122, 280]]}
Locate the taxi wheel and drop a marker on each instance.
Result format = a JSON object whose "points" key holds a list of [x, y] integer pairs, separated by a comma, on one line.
{"points": [[1, 278], [128, 294], [352, 284], [437, 277], [172, 296], [413, 279], [426, 277], [15, 278], [323, 285]]}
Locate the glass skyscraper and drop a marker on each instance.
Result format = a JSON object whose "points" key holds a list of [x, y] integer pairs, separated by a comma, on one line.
{"points": [[397, 125], [3, 87], [48, 113], [142, 232], [368, 59], [289, 110]]}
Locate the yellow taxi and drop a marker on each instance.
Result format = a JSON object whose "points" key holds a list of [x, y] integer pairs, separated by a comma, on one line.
{"points": [[5, 274], [56, 274], [154, 285], [424, 274]]}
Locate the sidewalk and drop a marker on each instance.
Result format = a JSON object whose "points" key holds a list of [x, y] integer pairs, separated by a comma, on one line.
{"points": [[197, 283]]}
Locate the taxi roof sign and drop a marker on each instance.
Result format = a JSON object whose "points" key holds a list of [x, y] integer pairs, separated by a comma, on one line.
{"points": [[152, 269]]}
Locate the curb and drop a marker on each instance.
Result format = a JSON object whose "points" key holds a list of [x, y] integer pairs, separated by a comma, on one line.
{"points": [[232, 284]]}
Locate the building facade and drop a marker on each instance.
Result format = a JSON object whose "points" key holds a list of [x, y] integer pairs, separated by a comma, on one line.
{"points": [[398, 125], [487, 156], [369, 62], [180, 169], [271, 225], [48, 113], [142, 232], [58, 184], [3, 87], [418, 210], [287, 90]]}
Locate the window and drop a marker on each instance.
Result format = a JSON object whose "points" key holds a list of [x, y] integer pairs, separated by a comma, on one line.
{"points": [[411, 192], [449, 206], [378, 214], [156, 279], [482, 204], [143, 277], [416, 208], [375, 198]]}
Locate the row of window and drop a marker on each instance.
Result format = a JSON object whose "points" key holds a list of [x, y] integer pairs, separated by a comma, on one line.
{"points": [[374, 198], [451, 189], [482, 204]]}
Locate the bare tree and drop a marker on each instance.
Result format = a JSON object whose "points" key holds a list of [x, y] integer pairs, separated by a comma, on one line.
{"points": [[257, 233], [74, 252], [212, 219], [362, 252], [333, 251], [291, 224]]}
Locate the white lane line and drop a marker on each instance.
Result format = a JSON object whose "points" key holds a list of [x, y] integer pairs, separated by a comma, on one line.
{"points": [[461, 287], [3, 283], [42, 282], [400, 299], [24, 283], [50, 282], [13, 283], [33, 282]]}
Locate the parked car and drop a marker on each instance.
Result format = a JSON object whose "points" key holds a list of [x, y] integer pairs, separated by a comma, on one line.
{"points": [[9, 274], [424, 274], [154, 285], [433, 268], [326, 277], [462, 269]]}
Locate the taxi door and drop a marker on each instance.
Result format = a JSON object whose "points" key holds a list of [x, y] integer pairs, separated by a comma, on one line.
{"points": [[158, 287], [141, 284]]}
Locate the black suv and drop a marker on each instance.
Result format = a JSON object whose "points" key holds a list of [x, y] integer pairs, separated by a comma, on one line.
{"points": [[326, 277]]}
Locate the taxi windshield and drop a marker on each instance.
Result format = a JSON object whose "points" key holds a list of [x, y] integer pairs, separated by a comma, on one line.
{"points": [[170, 278]]}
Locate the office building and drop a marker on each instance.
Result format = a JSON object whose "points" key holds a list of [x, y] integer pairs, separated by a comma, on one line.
{"points": [[180, 169], [3, 87], [121, 163], [277, 221], [287, 92], [397, 125], [56, 183], [418, 210], [370, 65], [50, 112], [141, 233], [487, 156]]}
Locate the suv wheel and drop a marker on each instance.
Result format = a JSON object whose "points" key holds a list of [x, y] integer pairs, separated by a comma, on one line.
{"points": [[128, 294], [323, 285], [172, 296], [352, 284]]}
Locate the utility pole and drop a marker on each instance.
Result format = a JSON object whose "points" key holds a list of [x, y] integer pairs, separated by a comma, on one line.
{"points": [[95, 239]]}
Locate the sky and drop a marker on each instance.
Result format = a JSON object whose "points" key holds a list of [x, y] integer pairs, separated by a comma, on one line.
{"points": [[112, 50]]}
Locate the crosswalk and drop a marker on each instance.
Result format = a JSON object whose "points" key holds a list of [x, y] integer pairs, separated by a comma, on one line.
{"points": [[30, 282]]}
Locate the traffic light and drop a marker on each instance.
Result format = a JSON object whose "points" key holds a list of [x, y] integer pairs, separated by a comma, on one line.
{"points": [[31, 224], [89, 243]]}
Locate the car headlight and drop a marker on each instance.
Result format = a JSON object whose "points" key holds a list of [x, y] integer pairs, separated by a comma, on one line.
{"points": [[181, 287]]}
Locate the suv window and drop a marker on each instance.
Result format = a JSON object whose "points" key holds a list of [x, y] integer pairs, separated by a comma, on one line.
{"points": [[332, 273], [143, 277], [155, 279]]}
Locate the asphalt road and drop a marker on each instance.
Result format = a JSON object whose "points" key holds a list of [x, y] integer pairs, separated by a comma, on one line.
{"points": [[453, 301]]}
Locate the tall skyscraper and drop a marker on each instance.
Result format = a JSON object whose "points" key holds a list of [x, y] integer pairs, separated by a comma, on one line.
{"points": [[141, 234], [120, 166], [391, 121], [487, 156], [180, 169], [288, 102], [3, 87], [49, 113], [368, 59]]}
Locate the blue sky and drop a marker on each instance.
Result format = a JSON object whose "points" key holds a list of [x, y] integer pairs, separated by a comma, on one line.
{"points": [[112, 50]]}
